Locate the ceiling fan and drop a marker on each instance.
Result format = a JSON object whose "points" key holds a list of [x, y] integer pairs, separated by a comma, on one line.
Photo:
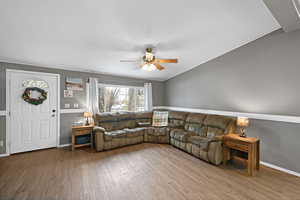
{"points": [[150, 62]]}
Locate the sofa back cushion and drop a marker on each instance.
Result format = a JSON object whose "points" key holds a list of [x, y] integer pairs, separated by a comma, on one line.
{"points": [[194, 123], [126, 120], [109, 121], [177, 119], [216, 125], [143, 117]]}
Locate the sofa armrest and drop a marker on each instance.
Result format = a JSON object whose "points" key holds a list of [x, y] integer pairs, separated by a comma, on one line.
{"points": [[215, 151], [217, 138], [99, 129], [99, 137], [143, 124]]}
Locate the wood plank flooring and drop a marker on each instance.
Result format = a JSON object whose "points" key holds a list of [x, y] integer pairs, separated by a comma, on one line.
{"points": [[142, 172]]}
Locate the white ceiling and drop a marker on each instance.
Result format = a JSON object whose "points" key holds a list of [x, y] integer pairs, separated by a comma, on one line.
{"points": [[93, 35]]}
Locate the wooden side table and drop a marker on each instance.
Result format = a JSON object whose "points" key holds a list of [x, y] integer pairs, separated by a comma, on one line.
{"points": [[82, 130], [249, 146]]}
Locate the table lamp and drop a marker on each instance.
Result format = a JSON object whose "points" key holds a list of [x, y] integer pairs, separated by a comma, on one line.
{"points": [[87, 115], [243, 122]]}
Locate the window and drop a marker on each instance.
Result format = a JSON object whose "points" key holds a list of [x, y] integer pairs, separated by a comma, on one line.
{"points": [[121, 98]]}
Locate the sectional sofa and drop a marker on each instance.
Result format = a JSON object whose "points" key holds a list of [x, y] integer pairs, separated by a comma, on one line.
{"points": [[198, 134]]}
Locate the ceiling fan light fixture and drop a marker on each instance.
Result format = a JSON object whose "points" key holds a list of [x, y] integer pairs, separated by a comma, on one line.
{"points": [[149, 67]]}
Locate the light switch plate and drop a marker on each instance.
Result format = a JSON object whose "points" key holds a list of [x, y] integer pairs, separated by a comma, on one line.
{"points": [[1, 143], [76, 105], [67, 105]]}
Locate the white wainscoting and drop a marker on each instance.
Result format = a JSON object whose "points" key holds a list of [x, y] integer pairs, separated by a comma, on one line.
{"points": [[2, 112], [280, 118], [69, 111]]}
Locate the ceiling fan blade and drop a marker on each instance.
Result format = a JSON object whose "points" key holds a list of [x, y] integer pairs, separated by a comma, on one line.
{"points": [[168, 60], [129, 60], [159, 67]]}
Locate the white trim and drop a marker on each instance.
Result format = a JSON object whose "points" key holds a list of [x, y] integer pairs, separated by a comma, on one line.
{"points": [[8, 103], [58, 110], [280, 118], [69, 111], [7, 138], [63, 145], [4, 155], [280, 168], [3, 113]]}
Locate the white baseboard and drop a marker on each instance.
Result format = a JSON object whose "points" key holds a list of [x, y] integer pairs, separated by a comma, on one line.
{"points": [[4, 155], [280, 168], [271, 117], [64, 145]]}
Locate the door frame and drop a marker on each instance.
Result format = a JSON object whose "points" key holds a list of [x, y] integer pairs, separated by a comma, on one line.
{"points": [[8, 134]]}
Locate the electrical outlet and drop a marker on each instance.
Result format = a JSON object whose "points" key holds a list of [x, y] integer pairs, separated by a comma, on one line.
{"points": [[67, 105], [1, 143], [76, 105]]}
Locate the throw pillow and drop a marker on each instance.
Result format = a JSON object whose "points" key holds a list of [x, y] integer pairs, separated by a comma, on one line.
{"points": [[160, 118]]}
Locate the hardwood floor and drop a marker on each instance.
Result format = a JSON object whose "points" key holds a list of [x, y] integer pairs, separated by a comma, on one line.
{"points": [[146, 171]]}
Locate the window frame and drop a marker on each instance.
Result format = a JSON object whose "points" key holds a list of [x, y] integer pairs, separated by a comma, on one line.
{"points": [[121, 86]]}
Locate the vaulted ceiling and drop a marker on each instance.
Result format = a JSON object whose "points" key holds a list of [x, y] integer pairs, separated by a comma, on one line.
{"points": [[93, 35]]}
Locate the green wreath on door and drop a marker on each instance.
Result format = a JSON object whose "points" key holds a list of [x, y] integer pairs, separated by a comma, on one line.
{"points": [[35, 101]]}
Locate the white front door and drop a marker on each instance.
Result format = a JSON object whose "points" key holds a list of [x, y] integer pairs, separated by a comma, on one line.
{"points": [[32, 127]]}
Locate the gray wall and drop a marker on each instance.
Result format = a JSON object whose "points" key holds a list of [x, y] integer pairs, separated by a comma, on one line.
{"points": [[79, 96], [260, 77]]}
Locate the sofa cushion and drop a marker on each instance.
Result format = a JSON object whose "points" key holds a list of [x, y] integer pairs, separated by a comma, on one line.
{"points": [[201, 142], [194, 123], [134, 132], [213, 132], [217, 121], [108, 121], [143, 117], [177, 119], [126, 120], [109, 135], [157, 131], [181, 134]]}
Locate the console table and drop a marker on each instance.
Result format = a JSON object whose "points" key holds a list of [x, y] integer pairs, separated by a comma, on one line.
{"points": [[246, 145]]}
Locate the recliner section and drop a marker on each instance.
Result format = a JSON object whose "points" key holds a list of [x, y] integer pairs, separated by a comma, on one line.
{"points": [[198, 134]]}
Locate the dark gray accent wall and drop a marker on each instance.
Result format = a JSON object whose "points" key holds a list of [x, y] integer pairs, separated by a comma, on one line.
{"points": [[79, 96], [260, 77]]}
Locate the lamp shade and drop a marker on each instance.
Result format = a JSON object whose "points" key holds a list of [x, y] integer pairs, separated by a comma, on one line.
{"points": [[242, 121], [87, 114]]}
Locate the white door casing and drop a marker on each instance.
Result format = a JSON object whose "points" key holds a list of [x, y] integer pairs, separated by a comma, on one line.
{"points": [[32, 127]]}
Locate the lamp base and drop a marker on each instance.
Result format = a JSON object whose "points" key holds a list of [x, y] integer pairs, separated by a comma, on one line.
{"points": [[87, 122], [243, 132]]}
